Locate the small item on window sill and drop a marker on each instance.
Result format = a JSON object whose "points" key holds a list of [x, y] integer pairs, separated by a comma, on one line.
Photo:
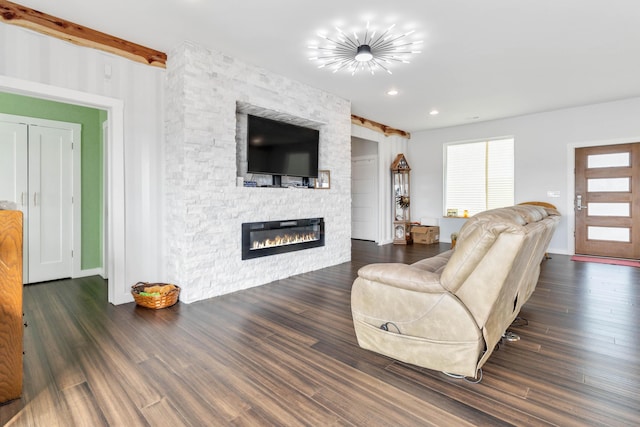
{"points": [[465, 214]]}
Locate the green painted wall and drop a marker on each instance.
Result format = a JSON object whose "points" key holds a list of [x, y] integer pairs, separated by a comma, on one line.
{"points": [[91, 120]]}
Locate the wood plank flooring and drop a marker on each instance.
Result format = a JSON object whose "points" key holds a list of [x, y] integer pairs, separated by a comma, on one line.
{"points": [[285, 354]]}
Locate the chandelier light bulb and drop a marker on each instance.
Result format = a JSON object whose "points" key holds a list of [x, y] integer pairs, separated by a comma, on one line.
{"points": [[363, 53]]}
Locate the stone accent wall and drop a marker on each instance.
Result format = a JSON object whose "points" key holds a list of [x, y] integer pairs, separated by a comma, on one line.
{"points": [[204, 207]]}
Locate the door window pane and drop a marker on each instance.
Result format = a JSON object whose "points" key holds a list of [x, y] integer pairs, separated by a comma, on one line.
{"points": [[612, 234], [611, 160], [609, 209], [608, 184]]}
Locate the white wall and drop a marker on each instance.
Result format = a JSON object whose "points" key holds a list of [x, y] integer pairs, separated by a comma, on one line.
{"points": [[363, 147], [193, 253], [69, 73], [205, 207], [544, 152]]}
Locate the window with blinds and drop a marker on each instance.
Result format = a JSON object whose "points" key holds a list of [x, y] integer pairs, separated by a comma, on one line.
{"points": [[479, 176]]}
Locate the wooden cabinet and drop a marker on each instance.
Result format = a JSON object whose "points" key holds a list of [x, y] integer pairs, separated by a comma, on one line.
{"points": [[401, 190], [11, 323]]}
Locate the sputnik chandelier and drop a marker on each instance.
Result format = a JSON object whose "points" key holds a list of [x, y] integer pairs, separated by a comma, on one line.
{"points": [[373, 52]]}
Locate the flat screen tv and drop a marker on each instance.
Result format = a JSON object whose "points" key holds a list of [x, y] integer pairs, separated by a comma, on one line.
{"points": [[281, 149]]}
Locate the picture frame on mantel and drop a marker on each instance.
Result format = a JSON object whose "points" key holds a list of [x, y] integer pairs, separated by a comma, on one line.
{"points": [[323, 182]]}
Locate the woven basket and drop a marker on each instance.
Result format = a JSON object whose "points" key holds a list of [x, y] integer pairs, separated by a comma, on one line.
{"points": [[155, 302]]}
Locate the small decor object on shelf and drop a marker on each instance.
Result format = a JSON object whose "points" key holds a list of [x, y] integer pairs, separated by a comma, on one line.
{"points": [[402, 201], [402, 233], [155, 295], [452, 212], [323, 181]]}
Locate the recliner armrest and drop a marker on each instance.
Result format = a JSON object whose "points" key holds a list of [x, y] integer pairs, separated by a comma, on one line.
{"points": [[402, 276]]}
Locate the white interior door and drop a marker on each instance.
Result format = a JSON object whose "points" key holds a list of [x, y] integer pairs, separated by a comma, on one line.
{"points": [[13, 158], [50, 203], [36, 172], [364, 198], [13, 173]]}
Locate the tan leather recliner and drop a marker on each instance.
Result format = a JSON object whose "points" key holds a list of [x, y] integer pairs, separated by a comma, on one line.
{"points": [[448, 312]]}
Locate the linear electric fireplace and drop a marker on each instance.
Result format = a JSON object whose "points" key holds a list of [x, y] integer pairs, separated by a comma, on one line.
{"points": [[276, 237]]}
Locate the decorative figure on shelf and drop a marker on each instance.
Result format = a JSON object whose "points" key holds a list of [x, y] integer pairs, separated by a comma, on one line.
{"points": [[403, 202]]}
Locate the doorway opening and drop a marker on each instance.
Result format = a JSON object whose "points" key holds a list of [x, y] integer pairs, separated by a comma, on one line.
{"points": [[114, 165]]}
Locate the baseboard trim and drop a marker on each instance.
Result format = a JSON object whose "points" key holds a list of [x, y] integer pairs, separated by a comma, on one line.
{"points": [[90, 272]]}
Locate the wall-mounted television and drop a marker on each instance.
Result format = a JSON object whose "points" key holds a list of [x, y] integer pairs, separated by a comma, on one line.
{"points": [[281, 149]]}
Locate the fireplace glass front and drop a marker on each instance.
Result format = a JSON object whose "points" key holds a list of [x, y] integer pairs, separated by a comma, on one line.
{"points": [[275, 237]]}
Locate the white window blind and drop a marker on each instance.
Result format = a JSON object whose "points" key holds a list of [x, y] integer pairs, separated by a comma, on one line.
{"points": [[479, 176]]}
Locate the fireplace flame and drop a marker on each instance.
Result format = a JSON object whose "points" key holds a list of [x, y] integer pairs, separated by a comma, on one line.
{"points": [[287, 239]]}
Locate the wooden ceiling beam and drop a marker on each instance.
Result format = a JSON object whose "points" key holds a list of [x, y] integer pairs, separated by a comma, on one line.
{"points": [[13, 13], [378, 127]]}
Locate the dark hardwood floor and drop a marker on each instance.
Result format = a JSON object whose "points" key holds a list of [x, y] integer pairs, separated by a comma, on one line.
{"points": [[285, 354]]}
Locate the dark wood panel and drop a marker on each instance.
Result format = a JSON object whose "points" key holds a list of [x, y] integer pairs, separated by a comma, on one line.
{"points": [[286, 354]]}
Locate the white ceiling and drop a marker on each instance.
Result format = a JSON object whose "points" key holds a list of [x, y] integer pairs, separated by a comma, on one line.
{"points": [[480, 60]]}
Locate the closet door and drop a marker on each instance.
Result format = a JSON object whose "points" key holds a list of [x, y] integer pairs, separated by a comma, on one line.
{"points": [[50, 203], [36, 172], [13, 158], [13, 172]]}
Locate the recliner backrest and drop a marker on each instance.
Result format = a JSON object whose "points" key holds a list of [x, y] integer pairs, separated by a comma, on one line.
{"points": [[495, 260], [475, 238]]}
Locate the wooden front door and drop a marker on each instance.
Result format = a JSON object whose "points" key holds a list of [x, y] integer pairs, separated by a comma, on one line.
{"points": [[607, 205]]}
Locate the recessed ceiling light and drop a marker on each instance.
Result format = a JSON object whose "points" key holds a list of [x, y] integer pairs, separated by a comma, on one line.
{"points": [[434, 112], [392, 92]]}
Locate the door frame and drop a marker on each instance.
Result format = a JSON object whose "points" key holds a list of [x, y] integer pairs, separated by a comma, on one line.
{"points": [[105, 191], [114, 172], [571, 182], [76, 179]]}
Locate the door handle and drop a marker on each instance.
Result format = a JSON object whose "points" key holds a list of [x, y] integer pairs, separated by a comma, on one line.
{"points": [[35, 199], [579, 205]]}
